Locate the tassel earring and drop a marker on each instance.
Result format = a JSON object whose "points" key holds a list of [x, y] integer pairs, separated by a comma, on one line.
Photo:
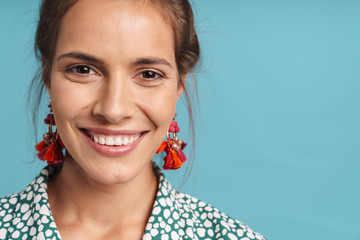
{"points": [[173, 147], [50, 148]]}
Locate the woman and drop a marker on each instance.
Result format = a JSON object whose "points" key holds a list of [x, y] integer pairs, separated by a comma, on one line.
{"points": [[114, 71]]}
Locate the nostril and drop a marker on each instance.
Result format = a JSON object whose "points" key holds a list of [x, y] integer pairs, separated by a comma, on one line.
{"points": [[114, 104]]}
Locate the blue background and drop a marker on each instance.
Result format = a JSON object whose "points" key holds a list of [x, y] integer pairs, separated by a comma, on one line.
{"points": [[278, 131]]}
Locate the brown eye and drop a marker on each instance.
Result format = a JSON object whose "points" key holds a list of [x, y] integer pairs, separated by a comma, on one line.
{"points": [[81, 69], [149, 75]]}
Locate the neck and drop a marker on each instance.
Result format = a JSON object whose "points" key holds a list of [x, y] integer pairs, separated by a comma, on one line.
{"points": [[75, 198]]}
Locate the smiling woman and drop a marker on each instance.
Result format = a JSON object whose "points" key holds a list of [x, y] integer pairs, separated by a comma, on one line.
{"points": [[114, 71], [100, 87]]}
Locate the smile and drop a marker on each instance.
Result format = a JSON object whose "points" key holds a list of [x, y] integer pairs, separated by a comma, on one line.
{"points": [[113, 143], [114, 140]]}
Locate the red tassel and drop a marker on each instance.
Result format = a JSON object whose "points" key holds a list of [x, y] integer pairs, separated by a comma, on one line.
{"points": [[49, 155], [182, 156], [173, 147], [54, 154], [58, 154], [172, 161], [162, 147], [42, 153], [41, 145], [50, 149], [167, 160]]}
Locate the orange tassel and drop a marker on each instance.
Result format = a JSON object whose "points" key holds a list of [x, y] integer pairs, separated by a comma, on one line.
{"points": [[177, 163], [41, 145], [182, 156], [41, 154], [173, 147], [162, 147], [49, 155]]}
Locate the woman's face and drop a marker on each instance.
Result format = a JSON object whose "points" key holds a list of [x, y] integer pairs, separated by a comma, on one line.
{"points": [[114, 87]]}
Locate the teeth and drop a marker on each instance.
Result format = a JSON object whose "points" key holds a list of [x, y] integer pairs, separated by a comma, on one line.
{"points": [[102, 140], [109, 141], [115, 140], [118, 141]]}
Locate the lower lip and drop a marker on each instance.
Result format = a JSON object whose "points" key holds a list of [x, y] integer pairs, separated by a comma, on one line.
{"points": [[113, 151]]}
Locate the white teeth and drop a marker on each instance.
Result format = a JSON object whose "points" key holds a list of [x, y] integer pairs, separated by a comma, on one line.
{"points": [[109, 141], [118, 141], [113, 140], [102, 140]]}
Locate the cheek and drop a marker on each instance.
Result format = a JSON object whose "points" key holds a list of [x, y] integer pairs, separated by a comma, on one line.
{"points": [[159, 104], [68, 101]]}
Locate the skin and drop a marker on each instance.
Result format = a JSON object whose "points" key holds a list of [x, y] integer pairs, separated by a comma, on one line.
{"points": [[97, 196]]}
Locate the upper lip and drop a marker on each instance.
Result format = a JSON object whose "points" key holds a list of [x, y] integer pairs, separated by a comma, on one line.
{"points": [[105, 131]]}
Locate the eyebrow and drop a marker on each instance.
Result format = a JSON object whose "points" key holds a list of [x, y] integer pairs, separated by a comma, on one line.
{"points": [[81, 56], [151, 61], [136, 62]]}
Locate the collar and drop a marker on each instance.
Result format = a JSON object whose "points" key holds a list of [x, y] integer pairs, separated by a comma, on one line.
{"points": [[173, 216], [27, 215], [168, 216], [32, 215]]}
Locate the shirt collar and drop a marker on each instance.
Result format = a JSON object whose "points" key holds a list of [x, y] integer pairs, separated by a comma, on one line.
{"points": [[35, 206], [166, 206]]}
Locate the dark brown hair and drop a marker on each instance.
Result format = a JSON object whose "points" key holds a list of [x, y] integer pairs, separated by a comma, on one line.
{"points": [[178, 13]]}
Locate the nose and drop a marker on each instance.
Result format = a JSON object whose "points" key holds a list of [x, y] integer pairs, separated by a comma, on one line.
{"points": [[115, 101]]}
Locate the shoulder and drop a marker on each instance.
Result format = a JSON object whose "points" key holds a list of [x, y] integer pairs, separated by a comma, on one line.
{"points": [[8, 205], [210, 223], [10, 208], [15, 203], [26, 214], [176, 216]]}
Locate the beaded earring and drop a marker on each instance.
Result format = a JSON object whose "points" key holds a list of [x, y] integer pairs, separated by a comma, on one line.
{"points": [[50, 148], [173, 147]]}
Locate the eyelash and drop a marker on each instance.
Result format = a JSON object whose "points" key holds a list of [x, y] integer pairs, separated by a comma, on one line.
{"points": [[71, 69], [87, 68], [157, 75]]}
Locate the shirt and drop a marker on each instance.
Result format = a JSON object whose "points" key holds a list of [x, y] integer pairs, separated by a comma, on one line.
{"points": [[27, 215]]}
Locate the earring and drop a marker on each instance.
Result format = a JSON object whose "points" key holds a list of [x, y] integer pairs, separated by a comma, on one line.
{"points": [[50, 148], [173, 147]]}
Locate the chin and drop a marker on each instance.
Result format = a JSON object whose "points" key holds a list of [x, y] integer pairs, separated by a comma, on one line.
{"points": [[107, 171]]}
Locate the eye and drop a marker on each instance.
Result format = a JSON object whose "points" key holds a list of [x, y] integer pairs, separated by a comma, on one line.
{"points": [[81, 70], [150, 75]]}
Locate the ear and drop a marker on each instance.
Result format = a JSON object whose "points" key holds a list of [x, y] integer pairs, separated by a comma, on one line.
{"points": [[181, 85]]}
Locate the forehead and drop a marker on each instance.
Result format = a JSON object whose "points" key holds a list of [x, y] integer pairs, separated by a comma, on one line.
{"points": [[120, 27]]}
